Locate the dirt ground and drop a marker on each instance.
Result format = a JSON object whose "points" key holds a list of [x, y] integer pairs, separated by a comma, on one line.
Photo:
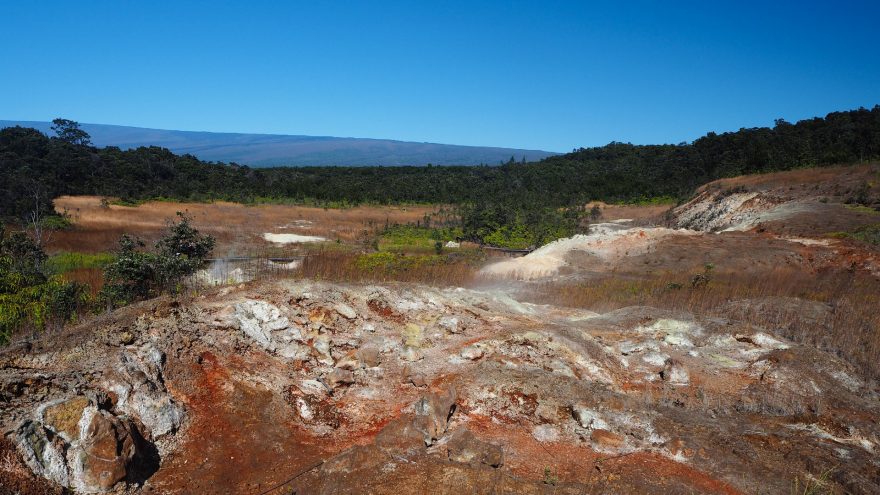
{"points": [[238, 228], [637, 214]]}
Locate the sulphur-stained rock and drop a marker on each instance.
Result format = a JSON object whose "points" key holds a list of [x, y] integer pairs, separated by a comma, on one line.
{"points": [[463, 446], [433, 412], [141, 392], [105, 454], [44, 455], [63, 417]]}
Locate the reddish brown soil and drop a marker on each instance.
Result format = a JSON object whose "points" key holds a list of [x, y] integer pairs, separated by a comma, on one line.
{"points": [[234, 443], [16, 478]]}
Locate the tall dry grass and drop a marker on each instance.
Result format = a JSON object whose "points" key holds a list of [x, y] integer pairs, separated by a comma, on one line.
{"points": [[837, 311], [347, 267], [92, 277]]}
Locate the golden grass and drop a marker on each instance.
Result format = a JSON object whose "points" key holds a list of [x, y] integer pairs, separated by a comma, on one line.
{"points": [[801, 177], [636, 213], [238, 228], [92, 277]]}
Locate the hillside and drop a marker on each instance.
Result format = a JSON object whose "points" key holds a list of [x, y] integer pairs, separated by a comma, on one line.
{"points": [[266, 150]]}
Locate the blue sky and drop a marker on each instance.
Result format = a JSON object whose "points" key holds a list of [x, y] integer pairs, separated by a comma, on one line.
{"points": [[545, 74]]}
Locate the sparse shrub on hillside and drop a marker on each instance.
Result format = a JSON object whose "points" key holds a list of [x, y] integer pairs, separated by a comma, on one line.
{"points": [[135, 274], [869, 234], [702, 279]]}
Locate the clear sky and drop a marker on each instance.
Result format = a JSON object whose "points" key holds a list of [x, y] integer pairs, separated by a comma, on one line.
{"points": [[545, 74]]}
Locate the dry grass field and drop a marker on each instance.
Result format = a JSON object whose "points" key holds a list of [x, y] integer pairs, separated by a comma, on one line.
{"points": [[238, 228]]}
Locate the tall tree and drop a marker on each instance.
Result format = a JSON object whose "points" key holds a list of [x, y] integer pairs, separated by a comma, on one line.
{"points": [[69, 131]]}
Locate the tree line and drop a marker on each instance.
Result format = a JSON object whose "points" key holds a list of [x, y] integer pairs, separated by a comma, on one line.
{"points": [[34, 168]]}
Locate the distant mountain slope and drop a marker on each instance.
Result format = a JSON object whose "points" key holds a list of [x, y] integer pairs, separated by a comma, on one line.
{"points": [[264, 150]]}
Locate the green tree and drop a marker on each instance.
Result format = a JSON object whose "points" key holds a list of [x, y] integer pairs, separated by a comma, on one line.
{"points": [[70, 132], [135, 274]]}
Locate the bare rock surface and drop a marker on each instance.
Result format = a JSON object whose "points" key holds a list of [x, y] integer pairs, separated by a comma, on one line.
{"points": [[335, 388]]}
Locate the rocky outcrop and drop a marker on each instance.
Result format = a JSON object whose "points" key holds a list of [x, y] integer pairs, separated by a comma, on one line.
{"points": [[137, 383], [102, 451], [265, 324]]}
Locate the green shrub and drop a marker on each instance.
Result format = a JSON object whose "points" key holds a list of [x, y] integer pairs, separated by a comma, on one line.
{"points": [[869, 234], [412, 237], [28, 298], [57, 222], [135, 274]]}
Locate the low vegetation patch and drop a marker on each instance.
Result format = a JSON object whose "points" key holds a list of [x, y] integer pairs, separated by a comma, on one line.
{"points": [[66, 262], [136, 274], [415, 238], [868, 233]]}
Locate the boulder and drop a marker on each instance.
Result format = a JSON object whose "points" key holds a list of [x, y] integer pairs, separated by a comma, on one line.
{"points": [[105, 454], [104, 450], [451, 324], [464, 447], [675, 373], [368, 357], [45, 457], [345, 311], [588, 418], [258, 320], [339, 377], [433, 413], [472, 352], [141, 391]]}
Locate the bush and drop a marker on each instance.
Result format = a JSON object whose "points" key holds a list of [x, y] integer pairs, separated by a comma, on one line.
{"points": [[136, 275], [28, 298]]}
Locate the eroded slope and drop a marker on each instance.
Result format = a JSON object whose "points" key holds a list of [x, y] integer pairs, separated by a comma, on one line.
{"points": [[323, 388]]}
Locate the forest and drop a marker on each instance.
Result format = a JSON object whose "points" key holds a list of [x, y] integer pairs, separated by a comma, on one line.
{"points": [[516, 196]]}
